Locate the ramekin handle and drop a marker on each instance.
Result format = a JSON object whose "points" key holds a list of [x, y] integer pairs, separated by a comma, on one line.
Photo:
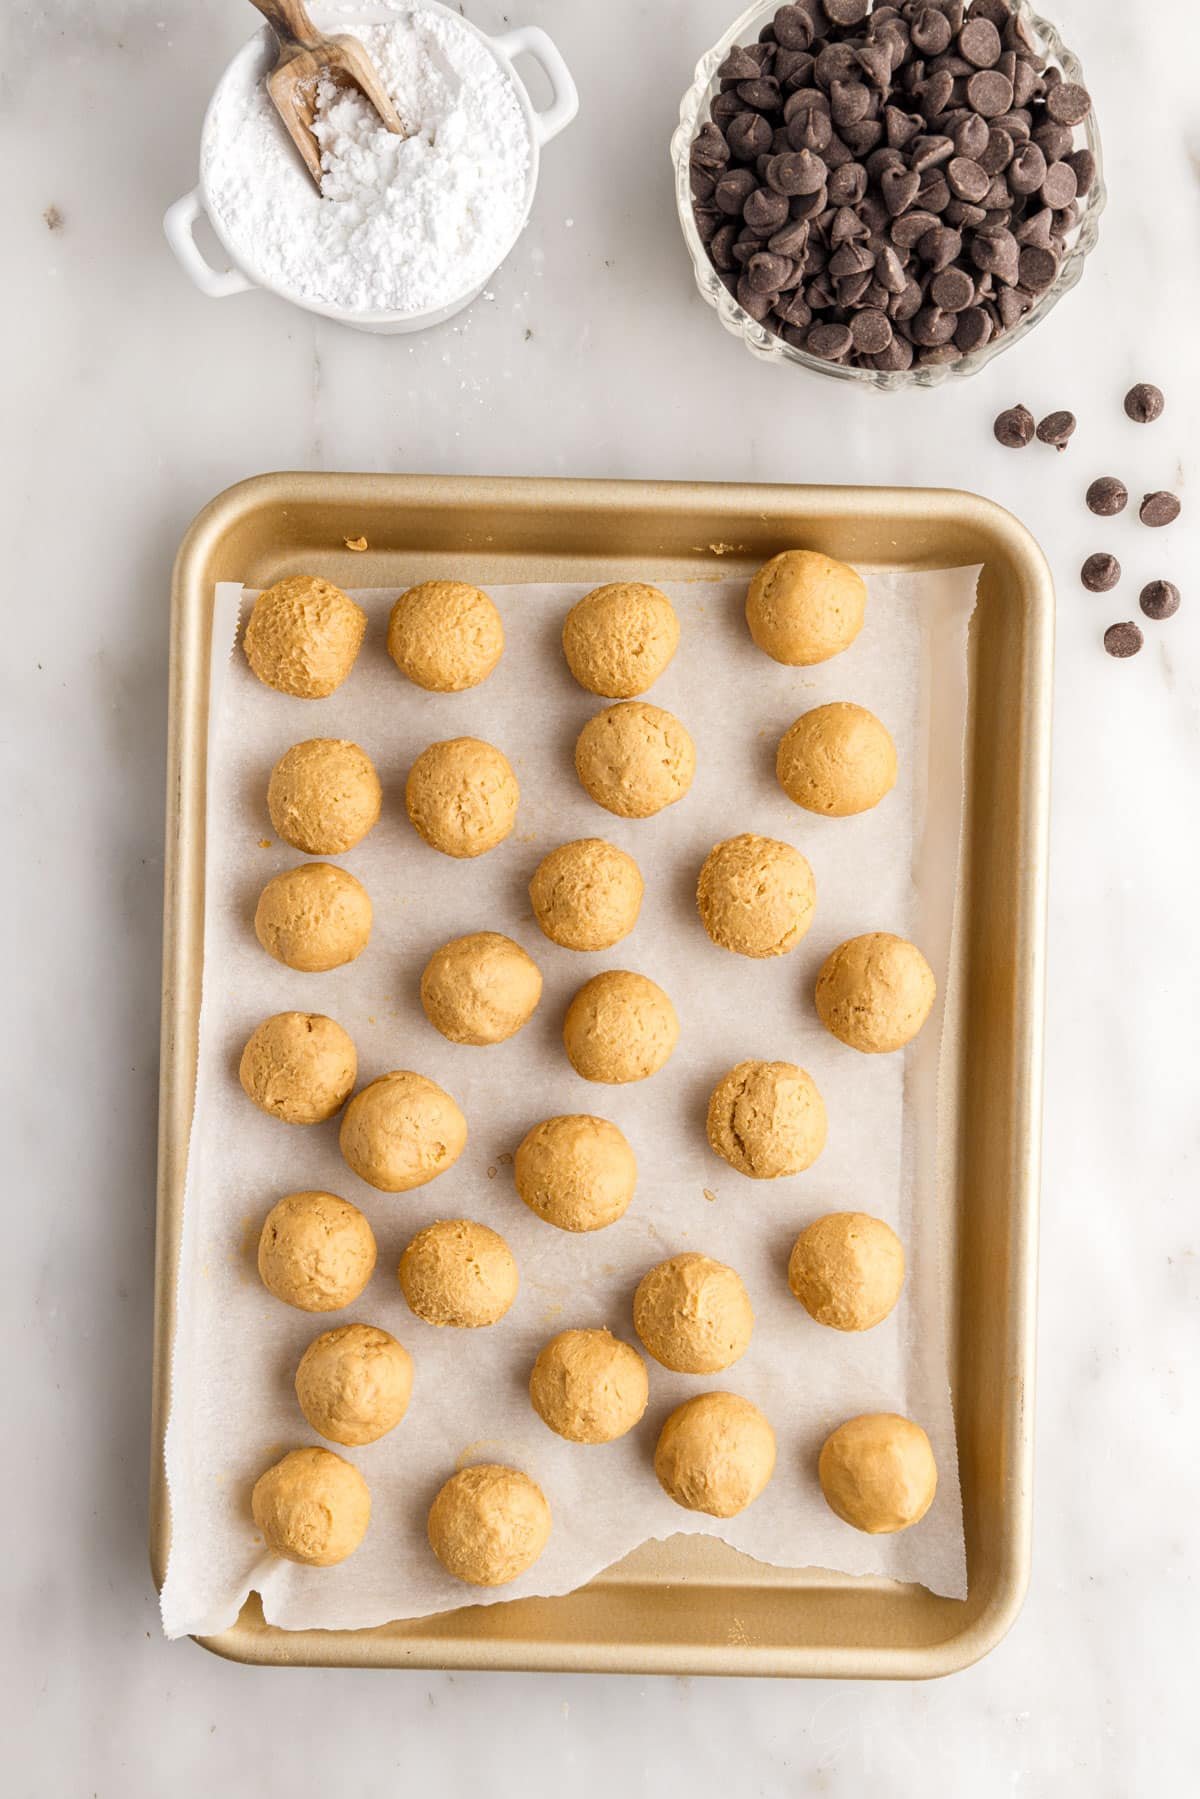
{"points": [[179, 223], [533, 41]]}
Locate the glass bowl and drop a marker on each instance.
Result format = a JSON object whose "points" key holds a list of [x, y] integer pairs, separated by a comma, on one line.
{"points": [[693, 112]]}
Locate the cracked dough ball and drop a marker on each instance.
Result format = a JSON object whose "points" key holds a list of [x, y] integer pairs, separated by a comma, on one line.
{"points": [[303, 635], [803, 607], [877, 1472], [445, 635], [577, 1172], [354, 1384], [619, 1027], [588, 1386], [480, 989], [875, 992], [324, 796], [693, 1314], [619, 638], [756, 896], [635, 759], [314, 917], [462, 796], [836, 759], [587, 895], [458, 1273], [401, 1131], [315, 1252], [715, 1454], [767, 1119], [847, 1270], [312, 1507], [488, 1524], [298, 1066]]}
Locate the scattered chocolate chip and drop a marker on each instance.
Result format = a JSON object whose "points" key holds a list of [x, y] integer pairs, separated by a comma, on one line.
{"points": [[1159, 599], [1123, 640], [1159, 508], [1107, 496], [1100, 573], [1144, 403], [1057, 429], [1014, 428]]}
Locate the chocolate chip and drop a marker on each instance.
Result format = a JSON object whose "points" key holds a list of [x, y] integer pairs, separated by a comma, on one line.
{"points": [[990, 93], [1159, 508], [1084, 165], [928, 151], [998, 152], [1123, 640], [979, 43], [1027, 170], [871, 332], [849, 101], [973, 330], [749, 134], [733, 190], [952, 289], [709, 147], [797, 172], [1159, 599], [1107, 496], [931, 33], [1100, 573], [900, 188], [765, 211], [829, 342], [1014, 428], [1037, 268], [1058, 185], [967, 180], [757, 304], [1054, 141], [768, 274], [897, 356], [1056, 428], [971, 136], [1068, 104], [846, 12], [793, 27], [1144, 403]]}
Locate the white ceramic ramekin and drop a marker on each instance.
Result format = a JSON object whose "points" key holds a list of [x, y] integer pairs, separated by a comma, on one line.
{"points": [[259, 54]]}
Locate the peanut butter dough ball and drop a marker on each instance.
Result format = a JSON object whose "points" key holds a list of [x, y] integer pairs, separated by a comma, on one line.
{"points": [[836, 759], [401, 1131], [354, 1384], [587, 895], [314, 917], [619, 1027], [312, 1507], [635, 759], [877, 1472], [803, 607], [445, 635], [875, 992], [588, 1386], [462, 796], [756, 896], [619, 638], [576, 1171], [459, 1273], [693, 1314], [316, 1252], [767, 1119], [303, 635], [480, 989], [847, 1270], [298, 1066], [324, 796], [715, 1454], [488, 1524]]}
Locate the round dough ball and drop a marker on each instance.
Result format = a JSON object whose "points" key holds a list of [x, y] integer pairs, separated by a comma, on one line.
{"points": [[354, 1384], [316, 1252], [715, 1454], [312, 1507], [847, 1270], [488, 1524], [803, 607], [298, 1066], [877, 1472], [576, 1171], [756, 895], [619, 1027], [875, 992], [588, 1386], [587, 895], [462, 796], [836, 759], [767, 1119], [401, 1131], [445, 635], [480, 989], [458, 1273], [619, 638], [314, 917], [693, 1314], [303, 635], [635, 759], [324, 796]]}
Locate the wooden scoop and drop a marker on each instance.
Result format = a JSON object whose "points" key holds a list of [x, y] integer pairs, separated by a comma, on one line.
{"points": [[306, 57]]}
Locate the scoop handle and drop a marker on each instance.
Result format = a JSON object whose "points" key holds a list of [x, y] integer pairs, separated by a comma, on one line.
{"points": [[290, 22]]}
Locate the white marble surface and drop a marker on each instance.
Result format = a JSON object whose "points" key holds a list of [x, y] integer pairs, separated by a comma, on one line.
{"points": [[128, 401]]}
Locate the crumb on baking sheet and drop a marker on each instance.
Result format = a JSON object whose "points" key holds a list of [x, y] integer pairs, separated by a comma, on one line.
{"points": [[54, 219], [710, 1195], [264, 843], [355, 543]]}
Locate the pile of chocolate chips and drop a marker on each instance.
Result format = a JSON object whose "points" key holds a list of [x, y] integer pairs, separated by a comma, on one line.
{"points": [[892, 184]]}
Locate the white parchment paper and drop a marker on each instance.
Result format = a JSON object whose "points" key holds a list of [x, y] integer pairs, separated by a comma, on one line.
{"points": [[236, 1349]]}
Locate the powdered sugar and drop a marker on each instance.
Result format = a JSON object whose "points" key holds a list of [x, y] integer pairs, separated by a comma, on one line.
{"points": [[403, 224]]}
